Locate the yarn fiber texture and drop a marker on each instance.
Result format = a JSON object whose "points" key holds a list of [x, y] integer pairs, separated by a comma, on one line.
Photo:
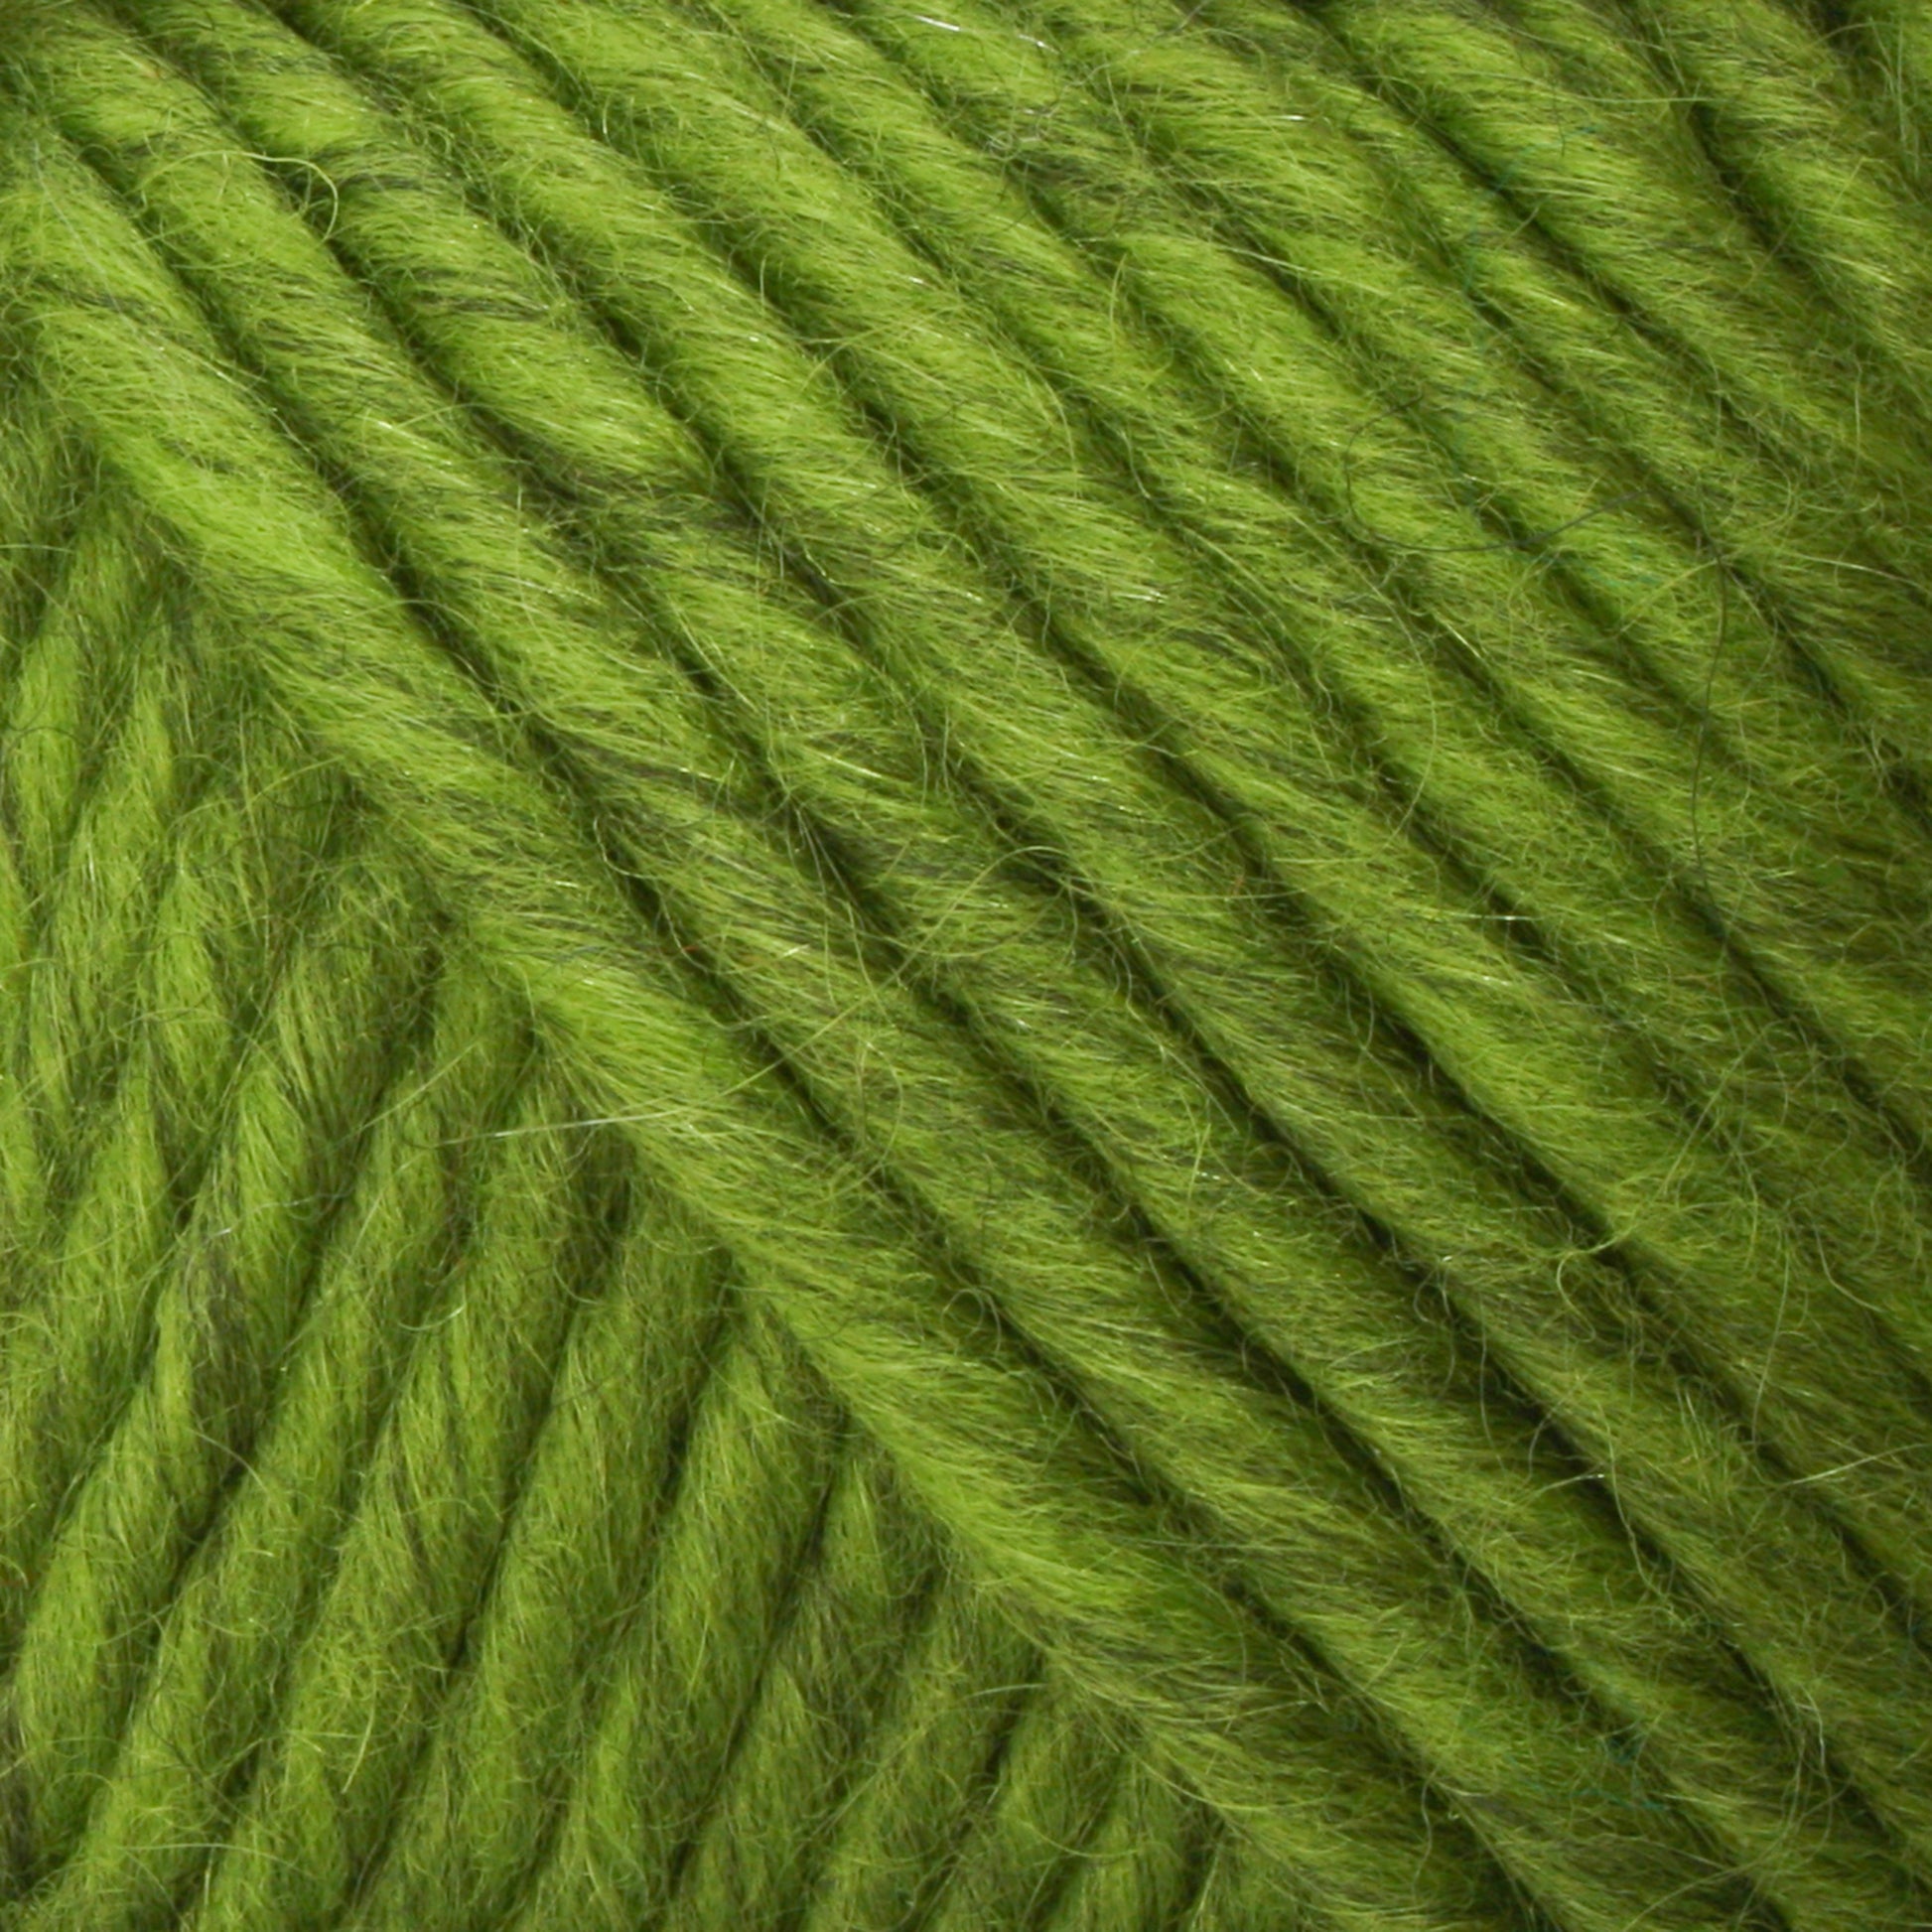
{"points": [[966, 970]]}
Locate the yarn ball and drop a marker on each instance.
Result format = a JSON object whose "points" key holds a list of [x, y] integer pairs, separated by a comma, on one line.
{"points": [[965, 971]]}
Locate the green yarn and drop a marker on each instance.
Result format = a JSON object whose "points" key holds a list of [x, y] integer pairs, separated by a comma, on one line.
{"points": [[1887, 47], [965, 971]]}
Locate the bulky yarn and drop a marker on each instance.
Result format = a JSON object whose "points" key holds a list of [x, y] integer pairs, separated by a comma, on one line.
{"points": [[965, 970]]}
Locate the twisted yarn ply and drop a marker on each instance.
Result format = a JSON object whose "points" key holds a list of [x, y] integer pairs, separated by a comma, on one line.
{"points": [[966, 971]]}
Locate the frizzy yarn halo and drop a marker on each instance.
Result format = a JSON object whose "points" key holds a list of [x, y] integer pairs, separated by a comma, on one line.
{"points": [[965, 970]]}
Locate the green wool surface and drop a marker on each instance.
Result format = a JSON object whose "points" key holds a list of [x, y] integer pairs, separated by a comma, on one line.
{"points": [[966, 971]]}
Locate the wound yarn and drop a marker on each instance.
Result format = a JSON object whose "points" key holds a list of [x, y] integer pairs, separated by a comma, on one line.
{"points": [[965, 970]]}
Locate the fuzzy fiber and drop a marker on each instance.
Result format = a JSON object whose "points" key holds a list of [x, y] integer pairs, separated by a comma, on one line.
{"points": [[966, 972]]}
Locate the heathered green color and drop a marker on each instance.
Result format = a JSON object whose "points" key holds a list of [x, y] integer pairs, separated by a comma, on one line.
{"points": [[1618, 180], [1207, 1444], [964, 971], [1826, 195], [937, 1754], [822, 1691], [547, 1629], [1774, 1830], [90, 914], [1340, 442], [1059, 1775], [764, 1454], [217, 1321], [1241, 1892], [219, 1664], [1243, 755], [1142, 1866], [1517, 298], [68, 1369], [413, 1561], [1887, 47]]}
